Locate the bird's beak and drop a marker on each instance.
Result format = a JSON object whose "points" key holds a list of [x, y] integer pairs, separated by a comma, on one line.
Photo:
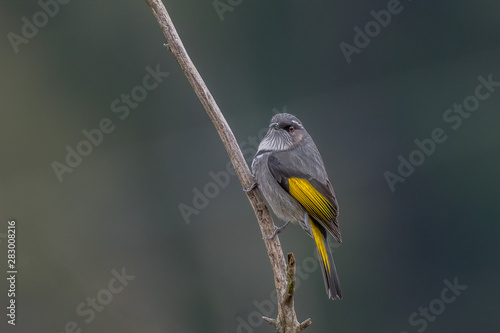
{"points": [[274, 125]]}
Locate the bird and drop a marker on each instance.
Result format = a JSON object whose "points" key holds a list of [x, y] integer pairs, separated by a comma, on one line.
{"points": [[289, 171]]}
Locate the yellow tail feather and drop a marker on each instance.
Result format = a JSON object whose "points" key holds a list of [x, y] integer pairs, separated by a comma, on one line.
{"points": [[320, 243]]}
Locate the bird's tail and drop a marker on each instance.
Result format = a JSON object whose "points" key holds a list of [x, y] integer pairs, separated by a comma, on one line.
{"points": [[332, 283]]}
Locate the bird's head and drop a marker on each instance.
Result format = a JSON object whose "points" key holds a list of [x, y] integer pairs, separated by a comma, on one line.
{"points": [[285, 132]]}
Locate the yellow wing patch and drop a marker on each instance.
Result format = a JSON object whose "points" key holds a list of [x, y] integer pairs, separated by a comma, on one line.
{"points": [[320, 243], [313, 201]]}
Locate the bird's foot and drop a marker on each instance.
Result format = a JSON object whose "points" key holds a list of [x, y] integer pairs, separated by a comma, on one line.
{"points": [[253, 187], [277, 230]]}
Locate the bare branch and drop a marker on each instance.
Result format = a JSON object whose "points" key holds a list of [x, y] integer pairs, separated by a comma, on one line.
{"points": [[286, 321], [290, 275]]}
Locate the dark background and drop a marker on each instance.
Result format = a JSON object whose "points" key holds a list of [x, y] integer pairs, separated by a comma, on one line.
{"points": [[119, 208]]}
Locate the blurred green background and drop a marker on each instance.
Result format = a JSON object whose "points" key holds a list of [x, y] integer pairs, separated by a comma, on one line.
{"points": [[119, 208]]}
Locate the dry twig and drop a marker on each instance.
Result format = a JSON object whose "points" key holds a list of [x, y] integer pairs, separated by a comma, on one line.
{"points": [[287, 320]]}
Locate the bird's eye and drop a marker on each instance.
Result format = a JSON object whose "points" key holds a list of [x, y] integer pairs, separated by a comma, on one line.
{"points": [[291, 129]]}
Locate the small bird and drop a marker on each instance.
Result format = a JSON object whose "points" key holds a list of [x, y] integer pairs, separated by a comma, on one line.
{"points": [[290, 173]]}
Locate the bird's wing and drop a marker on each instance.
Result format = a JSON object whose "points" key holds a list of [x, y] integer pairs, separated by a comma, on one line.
{"points": [[305, 179]]}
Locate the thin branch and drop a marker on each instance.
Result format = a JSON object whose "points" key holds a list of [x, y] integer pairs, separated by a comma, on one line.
{"points": [[286, 313]]}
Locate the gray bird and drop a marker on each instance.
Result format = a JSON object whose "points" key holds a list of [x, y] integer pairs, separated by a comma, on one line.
{"points": [[289, 171]]}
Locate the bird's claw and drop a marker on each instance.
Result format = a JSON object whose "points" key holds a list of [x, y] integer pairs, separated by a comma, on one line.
{"points": [[252, 187], [277, 230]]}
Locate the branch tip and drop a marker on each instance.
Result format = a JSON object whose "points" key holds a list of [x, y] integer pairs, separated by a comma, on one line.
{"points": [[271, 321], [303, 325]]}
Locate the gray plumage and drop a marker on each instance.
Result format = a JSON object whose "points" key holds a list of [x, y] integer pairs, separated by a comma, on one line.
{"points": [[288, 151]]}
